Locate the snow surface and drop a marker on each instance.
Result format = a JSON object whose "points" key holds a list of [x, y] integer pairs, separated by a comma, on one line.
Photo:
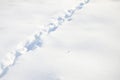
{"points": [[85, 48]]}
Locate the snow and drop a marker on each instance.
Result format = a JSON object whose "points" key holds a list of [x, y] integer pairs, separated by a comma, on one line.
{"points": [[86, 47]]}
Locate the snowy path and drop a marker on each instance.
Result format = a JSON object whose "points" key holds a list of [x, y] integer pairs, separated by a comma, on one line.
{"points": [[35, 40]]}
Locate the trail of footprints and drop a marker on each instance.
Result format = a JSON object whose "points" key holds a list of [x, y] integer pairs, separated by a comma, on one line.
{"points": [[36, 40]]}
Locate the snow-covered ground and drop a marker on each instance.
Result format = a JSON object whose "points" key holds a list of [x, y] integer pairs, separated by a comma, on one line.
{"points": [[86, 48]]}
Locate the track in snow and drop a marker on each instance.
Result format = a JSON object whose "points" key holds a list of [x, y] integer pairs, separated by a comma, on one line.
{"points": [[36, 39]]}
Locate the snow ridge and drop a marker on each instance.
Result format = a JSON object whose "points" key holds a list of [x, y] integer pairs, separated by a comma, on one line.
{"points": [[35, 40]]}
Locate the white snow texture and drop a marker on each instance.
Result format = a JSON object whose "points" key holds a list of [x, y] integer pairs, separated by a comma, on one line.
{"points": [[35, 40]]}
